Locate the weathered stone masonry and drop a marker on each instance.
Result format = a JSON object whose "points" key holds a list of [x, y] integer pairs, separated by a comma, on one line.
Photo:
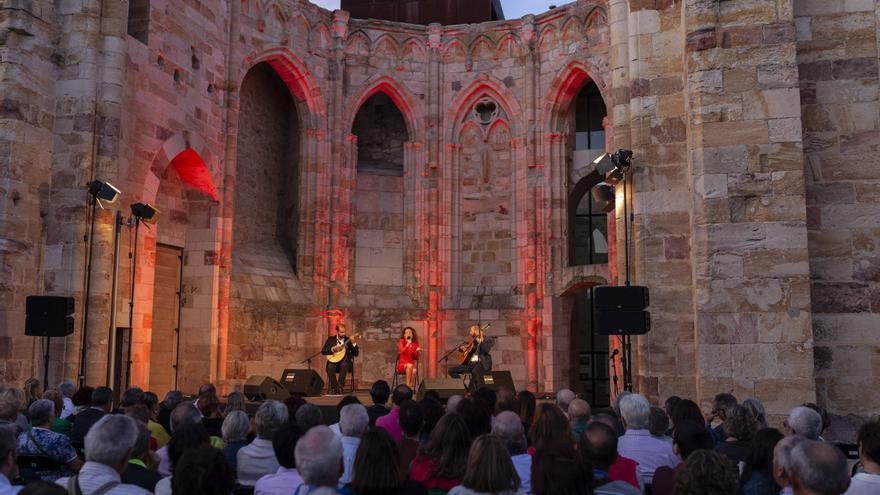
{"points": [[754, 125]]}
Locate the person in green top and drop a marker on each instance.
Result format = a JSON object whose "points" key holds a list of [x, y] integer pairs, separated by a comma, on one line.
{"points": [[59, 425]]}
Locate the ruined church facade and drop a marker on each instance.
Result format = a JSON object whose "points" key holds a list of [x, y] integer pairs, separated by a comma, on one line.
{"points": [[385, 175]]}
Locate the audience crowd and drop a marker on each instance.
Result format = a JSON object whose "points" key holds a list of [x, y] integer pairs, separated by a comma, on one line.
{"points": [[80, 441]]}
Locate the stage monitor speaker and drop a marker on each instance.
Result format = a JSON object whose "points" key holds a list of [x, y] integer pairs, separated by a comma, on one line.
{"points": [[622, 322], [446, 387], [260, 388], [306, 382], [622, 298], [49, 316], [495, 380]]}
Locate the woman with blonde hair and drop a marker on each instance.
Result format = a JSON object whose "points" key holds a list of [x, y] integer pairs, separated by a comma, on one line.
{"points": [[489, 470], [32, 391]]}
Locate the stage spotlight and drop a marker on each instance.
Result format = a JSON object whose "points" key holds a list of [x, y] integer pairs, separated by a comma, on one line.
{"points": [[145, 212], [603, 164], [620, 160], [103, 191]]}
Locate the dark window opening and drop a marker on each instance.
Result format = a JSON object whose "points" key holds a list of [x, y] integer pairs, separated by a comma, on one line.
{"points": [[589, 112], [588, 228], [589, 354], [139, 20], [381, 133]]}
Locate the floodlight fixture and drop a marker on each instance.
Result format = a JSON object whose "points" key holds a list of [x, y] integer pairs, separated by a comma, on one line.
{"points": [[145, 212], [103, 191]]}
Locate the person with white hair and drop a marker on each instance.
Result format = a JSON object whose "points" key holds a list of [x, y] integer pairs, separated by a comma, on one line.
{"points": [[564, 398], [353, 420], [108, 446], [509, 429], [318, 457], [578, 416], [638, 444], [235, 429], [804, 422], [39, 440], [8, 463], [67, 389], [258, 459], [818, 468], [782, 462]]}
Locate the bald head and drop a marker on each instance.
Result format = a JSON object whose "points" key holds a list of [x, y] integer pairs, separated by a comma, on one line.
{"points": [[818, 467], [452, 402], [564, 398], [509, 429], [579, 411]]}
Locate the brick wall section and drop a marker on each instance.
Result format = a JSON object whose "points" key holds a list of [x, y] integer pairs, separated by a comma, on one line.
{"points": [[837, 63]]}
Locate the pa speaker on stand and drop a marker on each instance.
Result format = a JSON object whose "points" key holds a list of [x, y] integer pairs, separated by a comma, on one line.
{"points": [[48, 316]]}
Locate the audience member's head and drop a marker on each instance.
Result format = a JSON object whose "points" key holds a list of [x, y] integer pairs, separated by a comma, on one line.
{"points": [[184, 414], [452, 402], [57, 398], [345, 401], [8, 437], [151, 401], [477, 416], [706, 472], [401, 393], [379, 392], [488, 396], [236, 427], [579, 412], [83, 396], [635, 412], [509, 429], [141, 448], [42, 413], [209, 405], [207, 388], [370, 477], [172, 399], [670, 403], [67, 388], [722, 405], [489, 467], [269, 417], [186, 437], [826, 420], [760, 459], [235, 402], [284, 444], [203, 471], [615, 404], [689, 437], [293, 403], [448, 447], [353, 420], [550, 426], [111, 441], [782, 459], [432, 411], [740, 424], [560, 470], [527, 404], [818, 468], [757, 409], [32, 390], [658, 422], [608, 417], [598, 445], [506, 400], [139, 412], [319, 457], [9, 408], [687, 410], [411, 418], [102, 398], [804, 422], [308, 416], [869, 444], [564, 398], [131, 396]]}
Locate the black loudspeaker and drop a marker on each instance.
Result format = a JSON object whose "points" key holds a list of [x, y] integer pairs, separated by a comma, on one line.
{"points": [[622, 322], [305, 382], [259, 388], [446, 387], [49, 316], [496, 380], [623, 298]]}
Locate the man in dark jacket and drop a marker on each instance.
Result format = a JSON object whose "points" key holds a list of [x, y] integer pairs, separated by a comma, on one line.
{"points": [[340, 351], [379, 393], [102, 403], [476, 353]]}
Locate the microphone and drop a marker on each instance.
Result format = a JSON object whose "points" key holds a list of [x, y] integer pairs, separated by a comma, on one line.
{"points": [[616, 352]]}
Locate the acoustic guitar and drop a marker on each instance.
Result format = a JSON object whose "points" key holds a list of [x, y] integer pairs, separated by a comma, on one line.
{"points": [[467, 350], [339, 351]]}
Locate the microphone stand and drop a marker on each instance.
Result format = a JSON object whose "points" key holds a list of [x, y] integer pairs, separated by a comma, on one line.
{"points": [[309, 359], [614, 370], [445, 358]]}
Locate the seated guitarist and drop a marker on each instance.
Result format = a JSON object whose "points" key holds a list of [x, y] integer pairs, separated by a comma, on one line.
{"points": [[476, 353], [333, 345]]}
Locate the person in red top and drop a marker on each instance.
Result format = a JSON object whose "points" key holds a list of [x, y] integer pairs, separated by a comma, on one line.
{"points": [[408, 356], [441, 463]]}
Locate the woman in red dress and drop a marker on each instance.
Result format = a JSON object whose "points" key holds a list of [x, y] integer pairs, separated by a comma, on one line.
{"points": [[408, 356]]}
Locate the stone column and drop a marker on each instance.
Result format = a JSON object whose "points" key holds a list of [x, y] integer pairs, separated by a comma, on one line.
{"points": [[745, 161]]}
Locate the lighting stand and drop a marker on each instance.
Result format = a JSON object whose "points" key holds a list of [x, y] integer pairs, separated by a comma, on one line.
{"points": [[133, 257], [626, 341], [93, 201]]}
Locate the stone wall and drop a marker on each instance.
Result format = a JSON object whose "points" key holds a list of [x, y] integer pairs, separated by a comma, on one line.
{"points": [[753, 126]]}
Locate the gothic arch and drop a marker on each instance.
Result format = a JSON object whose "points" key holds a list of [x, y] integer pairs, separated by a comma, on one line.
{"points": [[572, 30], [482, 48], [482, 87], [171, 148], [414, 49], [298, 79], [385, 45], [547, 39], [401, 97], [565, 88], [358, 44], [455, 51], [508, 46]]}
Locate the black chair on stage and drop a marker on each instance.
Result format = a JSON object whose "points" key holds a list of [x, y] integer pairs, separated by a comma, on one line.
{"points": [[396, 374], [350, 378]]}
